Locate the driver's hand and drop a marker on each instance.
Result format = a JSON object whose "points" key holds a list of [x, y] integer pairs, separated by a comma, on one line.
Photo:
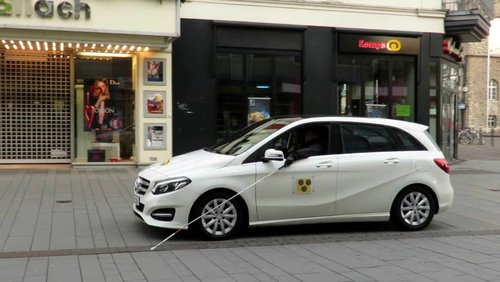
{"points": [[289, 160]]}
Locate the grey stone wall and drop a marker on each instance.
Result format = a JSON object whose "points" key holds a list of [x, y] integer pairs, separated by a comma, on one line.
{"points": [[476, 82]]}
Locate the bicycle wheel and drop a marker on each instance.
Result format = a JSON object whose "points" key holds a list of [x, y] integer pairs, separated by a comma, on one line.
{"points": [[464, 138]]}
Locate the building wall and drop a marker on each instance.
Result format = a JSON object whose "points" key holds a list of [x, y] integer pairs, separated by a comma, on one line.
{"points": [[476, 77], [475, 96], [405, 16]]}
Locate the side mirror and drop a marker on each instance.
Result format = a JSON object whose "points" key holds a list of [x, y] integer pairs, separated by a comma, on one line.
{"points": [[273, 155]]}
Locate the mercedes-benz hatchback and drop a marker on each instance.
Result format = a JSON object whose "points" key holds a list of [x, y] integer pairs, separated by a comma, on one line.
{"points": [[298, 170]]}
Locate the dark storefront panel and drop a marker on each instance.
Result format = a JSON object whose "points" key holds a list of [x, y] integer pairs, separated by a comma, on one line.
{"points": [[193, 87], [319, 71], [223, 72]]}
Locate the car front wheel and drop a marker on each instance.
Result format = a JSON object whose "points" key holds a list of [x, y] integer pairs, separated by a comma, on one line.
{"points": [[220, 219], [413, 209]]}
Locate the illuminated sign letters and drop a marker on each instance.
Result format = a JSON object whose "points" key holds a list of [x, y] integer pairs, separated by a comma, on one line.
{"points": [[44, 8], [378, 44], [392, 45]]}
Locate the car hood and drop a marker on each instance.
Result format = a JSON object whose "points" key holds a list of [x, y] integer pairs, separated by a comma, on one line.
{"points": [[186, 165]]}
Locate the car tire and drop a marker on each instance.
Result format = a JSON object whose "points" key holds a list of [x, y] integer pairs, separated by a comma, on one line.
{"points": [[220, 223], [413, 209]]}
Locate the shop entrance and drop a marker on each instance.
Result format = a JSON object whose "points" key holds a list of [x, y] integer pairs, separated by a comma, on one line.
{"points": [[377, 86], [105, 101], [35, 111]]}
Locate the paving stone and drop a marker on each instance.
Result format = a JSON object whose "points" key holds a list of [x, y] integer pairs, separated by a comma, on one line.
{"points": [[36, 268], [64, 268], [12, 269], [17, 243], [201, 267], [154, 267], [258, 262], [90, 268], [385, 273]]}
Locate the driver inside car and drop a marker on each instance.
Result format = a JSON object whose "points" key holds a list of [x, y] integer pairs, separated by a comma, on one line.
{"points": [[314, 143]]}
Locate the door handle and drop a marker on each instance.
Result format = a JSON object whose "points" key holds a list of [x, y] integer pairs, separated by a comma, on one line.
{"points": [[324, 165], [391, 161]]}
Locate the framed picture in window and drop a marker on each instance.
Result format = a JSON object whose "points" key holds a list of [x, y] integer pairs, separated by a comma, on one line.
{"points": [[155, 137], [154, 104], [155, 71]]}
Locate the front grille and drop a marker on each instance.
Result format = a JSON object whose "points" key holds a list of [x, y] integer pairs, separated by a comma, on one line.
{"points": [[141, 186]]}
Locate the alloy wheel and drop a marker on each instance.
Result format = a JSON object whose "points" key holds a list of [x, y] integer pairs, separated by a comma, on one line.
{"points": [[219, 220], [415, 208]]}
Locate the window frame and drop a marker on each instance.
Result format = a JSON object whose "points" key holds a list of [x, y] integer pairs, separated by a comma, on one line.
{"points": [[493, 90], [258, 154], [492, 121]]}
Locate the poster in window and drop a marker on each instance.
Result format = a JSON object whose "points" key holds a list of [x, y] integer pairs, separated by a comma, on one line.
{"points": [[103, 104], [154, 103], [155, 71], [258, 109], [376, 110], [155, 136]]}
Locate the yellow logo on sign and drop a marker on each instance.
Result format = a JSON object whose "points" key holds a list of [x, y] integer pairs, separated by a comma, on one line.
{"points": [[303, 185], [393, 45]]}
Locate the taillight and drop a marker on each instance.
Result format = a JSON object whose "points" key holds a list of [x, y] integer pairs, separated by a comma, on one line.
{"points": [[442, 164]]}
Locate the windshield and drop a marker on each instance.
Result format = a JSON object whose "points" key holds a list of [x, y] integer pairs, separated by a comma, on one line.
{"points": [[249, 136]]}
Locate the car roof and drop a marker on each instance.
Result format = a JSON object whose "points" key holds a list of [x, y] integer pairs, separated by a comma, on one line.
{"points": [[381, 121]]}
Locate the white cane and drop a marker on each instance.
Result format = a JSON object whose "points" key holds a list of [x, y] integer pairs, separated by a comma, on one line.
{"points": [[221, 204]]}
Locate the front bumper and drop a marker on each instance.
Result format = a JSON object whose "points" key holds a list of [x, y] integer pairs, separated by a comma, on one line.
{"points": [[163, 205]]}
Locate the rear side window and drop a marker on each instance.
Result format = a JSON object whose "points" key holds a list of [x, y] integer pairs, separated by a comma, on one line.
{"points": [[362, 138], [406, 142]]}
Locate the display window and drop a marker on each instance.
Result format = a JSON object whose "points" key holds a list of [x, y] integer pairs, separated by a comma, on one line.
{"points": [[377, 86], [254, 86], [105, 102]]}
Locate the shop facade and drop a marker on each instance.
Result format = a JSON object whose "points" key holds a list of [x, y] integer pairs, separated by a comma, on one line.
{"points": [[86, 82], [247, 70]]}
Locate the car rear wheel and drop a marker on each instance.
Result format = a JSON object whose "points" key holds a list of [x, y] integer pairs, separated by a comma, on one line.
{"points": [[220, 219], [413, 209]]}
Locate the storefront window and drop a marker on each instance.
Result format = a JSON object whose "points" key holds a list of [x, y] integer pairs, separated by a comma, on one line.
{"points": [[104, 110], [376, 86], [252, 87]]}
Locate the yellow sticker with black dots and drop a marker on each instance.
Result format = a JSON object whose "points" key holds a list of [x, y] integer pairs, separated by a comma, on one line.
{"points": [[303, 185]]}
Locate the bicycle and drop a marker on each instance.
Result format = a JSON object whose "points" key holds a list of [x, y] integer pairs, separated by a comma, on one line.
{"points": [[468, 135]]}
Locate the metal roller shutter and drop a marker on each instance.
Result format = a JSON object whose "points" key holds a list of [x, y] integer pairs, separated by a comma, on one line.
{"points": [[35, 107]]}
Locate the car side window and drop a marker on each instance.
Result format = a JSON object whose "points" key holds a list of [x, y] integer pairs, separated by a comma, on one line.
{"points": [[309, 140], [362, 138], [304, 141], [406, 142]]}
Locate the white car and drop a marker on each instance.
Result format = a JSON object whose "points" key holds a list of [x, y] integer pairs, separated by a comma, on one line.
{"points": [[353, 169]]}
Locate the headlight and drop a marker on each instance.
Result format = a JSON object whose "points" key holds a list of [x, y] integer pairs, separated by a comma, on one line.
{"points": [[170, 185]]}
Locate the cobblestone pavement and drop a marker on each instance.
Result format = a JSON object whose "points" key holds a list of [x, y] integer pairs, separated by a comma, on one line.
{"points": [[76, 225]]}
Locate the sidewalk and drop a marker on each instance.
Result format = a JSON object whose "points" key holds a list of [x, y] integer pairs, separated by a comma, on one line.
{"points": [[489, 150], [77, 225]]}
